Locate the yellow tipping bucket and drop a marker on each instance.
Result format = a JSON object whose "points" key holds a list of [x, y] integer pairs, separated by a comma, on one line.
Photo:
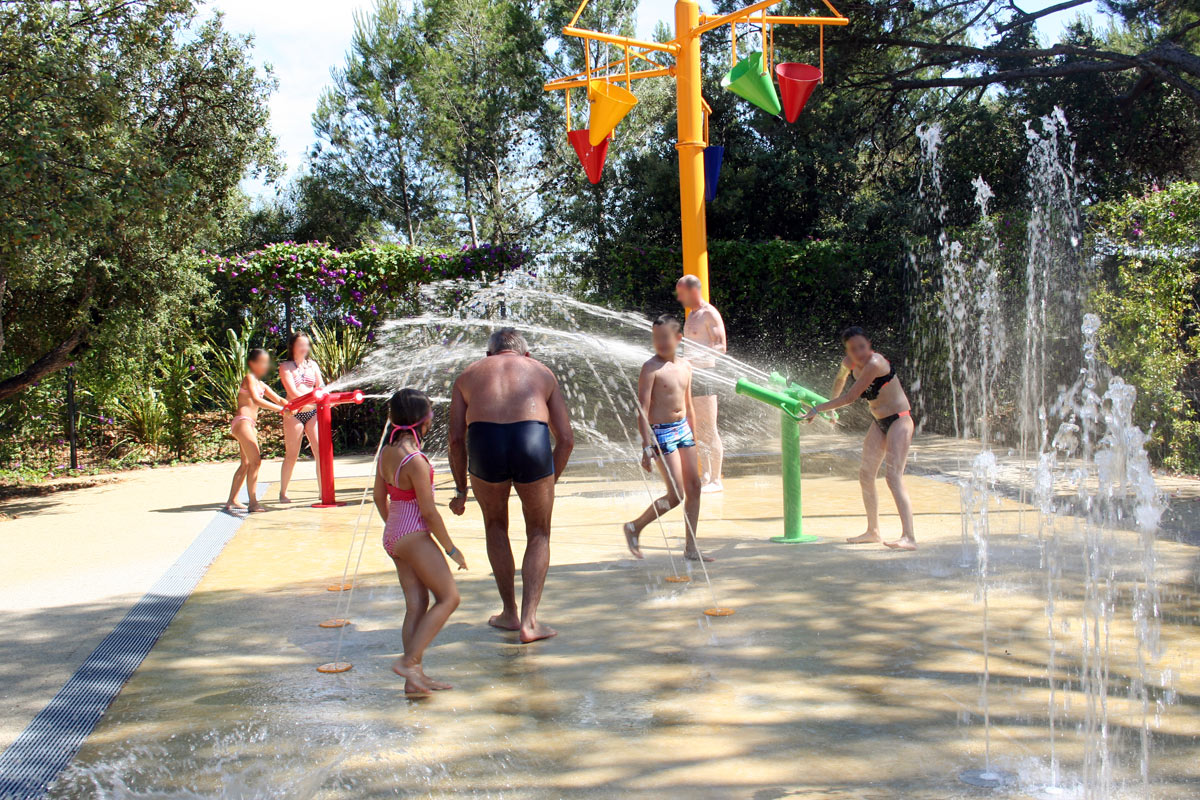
{"points": [[610, 104]]}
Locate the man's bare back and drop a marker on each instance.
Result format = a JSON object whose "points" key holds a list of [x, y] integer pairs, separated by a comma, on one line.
{"points": [[669, 389], [507, 387]]}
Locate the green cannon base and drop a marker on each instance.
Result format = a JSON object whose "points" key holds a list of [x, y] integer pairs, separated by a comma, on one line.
{"points": [[792, 400], [803, 538]]}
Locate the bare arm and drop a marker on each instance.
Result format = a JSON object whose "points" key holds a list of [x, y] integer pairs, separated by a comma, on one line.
{"points": [[560, 426], [417, 470], [379, 494], [458, 439], [262, 402], [320, 384], [716, 333], [839, 382], [645, 389], [869, 373], [689, 407], [273, 397]]}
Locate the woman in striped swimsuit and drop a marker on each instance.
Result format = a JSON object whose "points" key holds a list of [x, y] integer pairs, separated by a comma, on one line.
{"points": [[404, 497], [253, 395], [300, 375]]}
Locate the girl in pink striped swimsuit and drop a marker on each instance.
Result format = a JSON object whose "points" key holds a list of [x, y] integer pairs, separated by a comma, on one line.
{"points": [[299, 375], [404, 497]]}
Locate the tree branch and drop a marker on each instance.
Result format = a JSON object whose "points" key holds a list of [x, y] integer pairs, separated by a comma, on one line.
{"points": [[54, 360], [1056, 71]]}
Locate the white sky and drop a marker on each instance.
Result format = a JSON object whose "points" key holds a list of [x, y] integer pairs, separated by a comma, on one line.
{"points": [[304, 39]]}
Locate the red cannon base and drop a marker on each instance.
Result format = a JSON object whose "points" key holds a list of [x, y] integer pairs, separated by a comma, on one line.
{"points": [[325, 401]]}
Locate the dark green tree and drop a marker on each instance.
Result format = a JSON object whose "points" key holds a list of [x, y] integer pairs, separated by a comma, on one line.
{"points": [[127, 126]]}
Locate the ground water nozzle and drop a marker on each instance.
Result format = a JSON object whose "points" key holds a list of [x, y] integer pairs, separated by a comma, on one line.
{"points": [[793, 402]]}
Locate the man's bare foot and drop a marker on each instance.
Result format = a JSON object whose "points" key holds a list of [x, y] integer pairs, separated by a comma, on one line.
{"points": [[257, 506], [283, 498], [414, 679], [696, 555], [903, 543], [232, 508], [866, 538], [631, 539], [536, 631], [506, 621]]}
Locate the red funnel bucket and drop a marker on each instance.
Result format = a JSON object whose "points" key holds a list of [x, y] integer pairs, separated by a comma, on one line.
{"points": [[796, 84], [592, 158]]}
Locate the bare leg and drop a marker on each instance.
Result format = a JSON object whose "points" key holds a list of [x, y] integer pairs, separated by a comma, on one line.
{"points": [[872, 457], [416, 604], [310, 430], [898, 440], [685, 470], [493, 502], [293, 434], [537, 503], [239, 477], [243, 432], [708, 441], [428, 567]]}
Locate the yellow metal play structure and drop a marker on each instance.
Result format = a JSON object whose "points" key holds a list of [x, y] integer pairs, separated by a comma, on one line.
{"points": [[749, 78]]}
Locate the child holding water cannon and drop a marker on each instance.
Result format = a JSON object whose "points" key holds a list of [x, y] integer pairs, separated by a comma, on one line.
{"points": [[404, 497], [253, 394], [665, 415]]}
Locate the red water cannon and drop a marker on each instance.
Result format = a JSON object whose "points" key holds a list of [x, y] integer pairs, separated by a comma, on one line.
{"points": [[325, 401]]}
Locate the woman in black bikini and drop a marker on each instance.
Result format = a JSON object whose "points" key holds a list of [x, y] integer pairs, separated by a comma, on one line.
{"points": [[872, 377]]}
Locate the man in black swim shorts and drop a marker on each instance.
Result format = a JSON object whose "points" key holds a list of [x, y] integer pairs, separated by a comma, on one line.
{"points": [[503, 412]]}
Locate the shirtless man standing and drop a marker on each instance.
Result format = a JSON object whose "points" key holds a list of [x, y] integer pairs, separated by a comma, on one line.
{"points": [[705, 327], [503, 409], [665, 415]]}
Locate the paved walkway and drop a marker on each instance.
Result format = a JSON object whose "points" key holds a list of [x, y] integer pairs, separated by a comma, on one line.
{"points": [[846, 673], [75, 563]]}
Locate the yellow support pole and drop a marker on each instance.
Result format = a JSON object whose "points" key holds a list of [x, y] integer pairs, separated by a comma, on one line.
{"points": [[690, 117]]}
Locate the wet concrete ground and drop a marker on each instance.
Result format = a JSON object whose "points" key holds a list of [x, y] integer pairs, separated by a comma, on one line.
{"points": [[846, 671]]}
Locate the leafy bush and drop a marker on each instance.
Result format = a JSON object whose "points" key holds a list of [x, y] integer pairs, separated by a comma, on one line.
{"points": [[142, 419], [227, 366], [338, 348], [1149, 303], [178, 379], [777, 297], [356, 288]]}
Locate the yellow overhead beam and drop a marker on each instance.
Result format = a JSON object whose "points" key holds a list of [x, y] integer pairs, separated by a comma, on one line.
{"points": [[624, 41], [573, 83], [775, 20]]}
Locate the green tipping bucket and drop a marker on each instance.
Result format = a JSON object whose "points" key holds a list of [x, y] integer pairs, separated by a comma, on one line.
{"points": [[750, 82]]}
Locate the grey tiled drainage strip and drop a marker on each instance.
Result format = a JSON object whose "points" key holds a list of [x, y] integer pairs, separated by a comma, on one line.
{"points": [[55, 735]]}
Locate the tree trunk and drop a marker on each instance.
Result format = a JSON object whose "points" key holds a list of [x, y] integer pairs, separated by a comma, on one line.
{"points": [[50, 363], [412, 239], [469, 204]]}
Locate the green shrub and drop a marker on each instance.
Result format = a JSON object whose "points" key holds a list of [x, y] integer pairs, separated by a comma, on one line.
{"points": [[227, 366], [142, 420], [786, 300], [338, 348], [1150, 308]]}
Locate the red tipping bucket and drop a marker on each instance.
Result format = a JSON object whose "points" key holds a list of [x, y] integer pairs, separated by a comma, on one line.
{"points": [[796, 84], [592, 158]]}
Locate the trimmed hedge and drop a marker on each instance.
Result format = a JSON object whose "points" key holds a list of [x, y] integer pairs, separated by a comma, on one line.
{"points": [[775, 296]]}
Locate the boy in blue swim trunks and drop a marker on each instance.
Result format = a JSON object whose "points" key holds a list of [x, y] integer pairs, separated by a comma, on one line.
{"points": [[664, 418]]}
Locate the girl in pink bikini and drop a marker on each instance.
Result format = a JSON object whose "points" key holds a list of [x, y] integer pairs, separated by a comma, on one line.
{"points": [[253, 395], [404, 497], [299, 375]]}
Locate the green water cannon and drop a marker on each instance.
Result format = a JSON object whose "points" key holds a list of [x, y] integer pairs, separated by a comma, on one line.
{"points": [[793, 402]]}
